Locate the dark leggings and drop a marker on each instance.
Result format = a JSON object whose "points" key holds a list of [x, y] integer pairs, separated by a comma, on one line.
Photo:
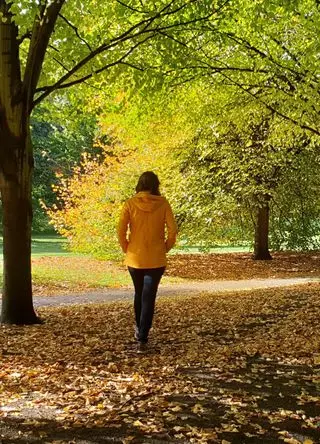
{"points": [[145, 281]]}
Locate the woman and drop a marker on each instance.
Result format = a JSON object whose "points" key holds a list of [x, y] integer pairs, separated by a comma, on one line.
{"points": [[147, 215]]}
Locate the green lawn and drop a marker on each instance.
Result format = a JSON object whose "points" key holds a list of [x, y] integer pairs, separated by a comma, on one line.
{"points": [[78, 273], [47, 245], [54, 268], [55, 245]]}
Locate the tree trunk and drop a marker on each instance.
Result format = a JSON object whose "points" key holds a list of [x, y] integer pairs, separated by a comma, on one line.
{"points": [[16, 165], [261, 244], [17, 306]]}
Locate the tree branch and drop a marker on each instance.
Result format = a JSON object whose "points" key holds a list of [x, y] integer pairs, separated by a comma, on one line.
{"points": [[102, 48], [42, 29], [170, 37], [131, 65], [271, 108], [60, 63], [98, 71], [287, 50], [76, 31], [25, 36], [241, 41], [132, 33], [130, 7]]}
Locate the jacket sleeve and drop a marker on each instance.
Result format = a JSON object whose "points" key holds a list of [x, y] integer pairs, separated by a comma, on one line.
{"points": [[172, 228], [123, 228]]}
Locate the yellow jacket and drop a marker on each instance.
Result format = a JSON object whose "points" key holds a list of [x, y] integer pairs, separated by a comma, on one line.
{"points": [[146, 244]]}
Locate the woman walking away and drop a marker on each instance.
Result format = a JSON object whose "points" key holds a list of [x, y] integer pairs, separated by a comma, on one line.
{"points": [[152, 233]]}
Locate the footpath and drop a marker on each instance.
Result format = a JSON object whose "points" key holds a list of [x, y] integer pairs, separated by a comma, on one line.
{"points": [[185, 288]]}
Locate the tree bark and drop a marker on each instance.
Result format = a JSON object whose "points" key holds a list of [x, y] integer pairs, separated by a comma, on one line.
{"points": [[261, 244], [16, 165], [17, 306]]}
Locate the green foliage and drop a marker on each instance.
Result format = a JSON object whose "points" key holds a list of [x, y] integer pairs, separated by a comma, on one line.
{"points": [[295, 210], [230, 156], [234, 137], [97, 42], [59, 138], [234, 167]]}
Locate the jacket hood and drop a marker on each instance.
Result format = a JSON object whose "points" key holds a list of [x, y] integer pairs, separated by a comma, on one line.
{"points": [[147, 202]]}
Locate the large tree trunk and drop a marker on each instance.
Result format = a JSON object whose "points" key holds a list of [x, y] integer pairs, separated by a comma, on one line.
{"points": [[16, 165], [17, 307], [261, 244]]}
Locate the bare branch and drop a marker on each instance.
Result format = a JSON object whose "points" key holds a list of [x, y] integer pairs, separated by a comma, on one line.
{"points": [[60, 63], [170, 37], [53, 47], [287, 50], [131, 65]]}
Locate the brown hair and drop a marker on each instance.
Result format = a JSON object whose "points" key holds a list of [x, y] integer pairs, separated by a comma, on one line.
{"points": [[148, 181]]}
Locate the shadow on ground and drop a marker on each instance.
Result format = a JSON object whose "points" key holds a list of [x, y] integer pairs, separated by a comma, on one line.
{"points": [[264, 401]]}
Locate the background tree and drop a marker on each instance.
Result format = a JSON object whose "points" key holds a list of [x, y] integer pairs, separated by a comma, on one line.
{"points": [[234, 157], [295, 208], [59, 136], [89, 201], [247, 164]]}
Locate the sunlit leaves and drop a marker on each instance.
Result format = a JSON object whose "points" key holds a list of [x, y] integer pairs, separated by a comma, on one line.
{"points": [[88, 205], [90, 37], [90, 200]]}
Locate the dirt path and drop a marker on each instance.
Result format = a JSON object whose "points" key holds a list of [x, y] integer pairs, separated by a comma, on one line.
{"points": [[109, 295]]}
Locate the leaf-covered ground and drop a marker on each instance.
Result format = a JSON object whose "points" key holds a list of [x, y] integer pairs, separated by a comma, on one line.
{"points": [[241, 266], [56, 275], [240, 368]]}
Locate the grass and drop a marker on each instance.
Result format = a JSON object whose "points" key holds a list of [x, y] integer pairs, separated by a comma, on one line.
{"points": [[56, 270], [55, 245], [47, 245], [50, 246], [78, 273]]}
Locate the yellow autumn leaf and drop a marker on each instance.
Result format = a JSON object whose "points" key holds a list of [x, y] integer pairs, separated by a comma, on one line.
{"points": [[197, 408], [316, 359]]}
